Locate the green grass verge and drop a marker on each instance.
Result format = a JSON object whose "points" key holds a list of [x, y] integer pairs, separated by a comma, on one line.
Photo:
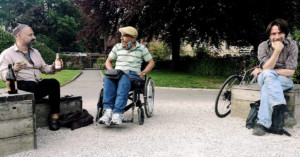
{"points": [[63, 77], [166, 78]]}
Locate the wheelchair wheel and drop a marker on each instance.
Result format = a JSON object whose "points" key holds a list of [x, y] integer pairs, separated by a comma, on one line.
{"points": [[149, 93], [141, 116], [99, 106]]}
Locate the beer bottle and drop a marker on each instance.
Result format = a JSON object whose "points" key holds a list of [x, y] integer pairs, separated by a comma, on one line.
{"points": [[57, 62], [11, 81]]}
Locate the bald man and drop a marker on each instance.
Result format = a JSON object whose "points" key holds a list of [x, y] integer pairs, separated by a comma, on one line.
{"points": [[28, 64]]}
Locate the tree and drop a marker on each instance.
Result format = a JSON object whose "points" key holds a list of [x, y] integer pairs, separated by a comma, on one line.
{"points": [[241, 23], [57, 19]]}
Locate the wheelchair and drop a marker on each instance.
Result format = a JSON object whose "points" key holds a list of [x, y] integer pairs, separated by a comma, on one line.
{"points": [[147, 90]]}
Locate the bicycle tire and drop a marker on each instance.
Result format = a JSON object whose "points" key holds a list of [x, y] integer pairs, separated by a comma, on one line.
{"points": [[223, 100]]}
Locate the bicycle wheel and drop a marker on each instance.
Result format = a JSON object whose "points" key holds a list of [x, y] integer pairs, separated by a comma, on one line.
{"points": [[223, 100]]}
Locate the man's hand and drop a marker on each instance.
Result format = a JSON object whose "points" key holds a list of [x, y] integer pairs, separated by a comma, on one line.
{"points": [[141, 75], [61, 63], [256, 72], [277, 46], [19, 66]]}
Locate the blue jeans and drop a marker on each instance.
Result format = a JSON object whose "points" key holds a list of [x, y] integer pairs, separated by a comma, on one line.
{"points": [[271, 94], [115, 92]]}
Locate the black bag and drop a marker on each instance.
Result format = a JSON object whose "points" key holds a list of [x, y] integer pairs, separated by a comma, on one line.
{"points": [[252, 116], [76, 119], [114, 74]]}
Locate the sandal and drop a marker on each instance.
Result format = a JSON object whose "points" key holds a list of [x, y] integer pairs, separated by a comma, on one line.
{"points": [[53, 124]]}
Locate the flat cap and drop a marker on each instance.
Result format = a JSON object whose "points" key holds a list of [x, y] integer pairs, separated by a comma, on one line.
{"points": [[19, 29], [129, 31]]}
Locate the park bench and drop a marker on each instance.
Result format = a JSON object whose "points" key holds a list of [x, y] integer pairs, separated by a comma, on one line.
{"points": [[20, 115], [243, 95]]}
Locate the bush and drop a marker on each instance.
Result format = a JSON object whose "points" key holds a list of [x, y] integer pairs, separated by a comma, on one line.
{"points": [[159, 50], [48, 41], [47, 54], [6, 40]]}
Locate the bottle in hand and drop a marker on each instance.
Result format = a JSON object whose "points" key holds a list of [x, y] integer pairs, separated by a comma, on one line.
{"points": [[11, 81], [57, 62]]}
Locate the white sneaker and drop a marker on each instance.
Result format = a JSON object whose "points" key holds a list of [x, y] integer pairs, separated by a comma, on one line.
{"points": [[106, 117], [116, 119]]}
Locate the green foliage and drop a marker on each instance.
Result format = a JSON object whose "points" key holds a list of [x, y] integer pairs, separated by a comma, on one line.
{"points": [[101, 61], [6, 40], [159, 50], [296, 37], [47, 54], [50, 42], [66, 31], [56, 19]]}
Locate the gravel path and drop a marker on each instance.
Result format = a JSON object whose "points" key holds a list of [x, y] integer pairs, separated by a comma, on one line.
{"points": [[184, 124]]}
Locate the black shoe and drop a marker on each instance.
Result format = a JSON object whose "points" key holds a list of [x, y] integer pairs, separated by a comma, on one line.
{"points": [[53, 123], [259, 130], [288, 120]]}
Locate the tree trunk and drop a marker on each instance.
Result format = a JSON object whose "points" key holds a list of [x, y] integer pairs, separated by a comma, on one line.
{"points": [[175, 52]]}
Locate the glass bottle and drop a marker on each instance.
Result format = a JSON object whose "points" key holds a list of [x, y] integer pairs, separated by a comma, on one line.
{"points": [[57, 62], [11, 81]]}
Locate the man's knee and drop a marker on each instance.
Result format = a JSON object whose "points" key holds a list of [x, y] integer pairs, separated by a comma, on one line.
{"points": [[54, 82], [269, 73], [51, 83]]}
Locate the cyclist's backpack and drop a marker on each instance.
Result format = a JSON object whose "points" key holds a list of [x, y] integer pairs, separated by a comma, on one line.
{"points": [[277, 118], [76, 119]]}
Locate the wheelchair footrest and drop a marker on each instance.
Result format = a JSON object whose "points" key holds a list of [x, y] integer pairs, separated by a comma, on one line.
{"points": [[127, 121], [128, 107]]}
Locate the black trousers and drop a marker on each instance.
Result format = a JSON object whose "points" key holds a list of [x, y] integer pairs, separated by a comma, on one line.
{"points": [[43, 88]]}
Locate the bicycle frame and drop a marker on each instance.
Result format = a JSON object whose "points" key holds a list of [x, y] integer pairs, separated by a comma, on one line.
{"points": [[244, 73]]}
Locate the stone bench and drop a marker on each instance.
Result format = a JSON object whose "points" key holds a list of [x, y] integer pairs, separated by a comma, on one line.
{"points": [[20, 115], [17, 122], [67, 104], [243, 95]]}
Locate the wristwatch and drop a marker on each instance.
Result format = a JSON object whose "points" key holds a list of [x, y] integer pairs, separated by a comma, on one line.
{"points": [[143, 73]]}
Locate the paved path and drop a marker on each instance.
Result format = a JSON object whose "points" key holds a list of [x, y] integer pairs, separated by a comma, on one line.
{"points": [[184, 125]]}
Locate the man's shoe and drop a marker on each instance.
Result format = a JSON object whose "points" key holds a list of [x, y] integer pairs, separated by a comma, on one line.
{"points": [[116, 119], [53, 123], [106, 117], [259, 130]]}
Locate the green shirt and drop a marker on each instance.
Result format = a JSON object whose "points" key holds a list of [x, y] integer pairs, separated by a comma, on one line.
{"points": [[130, 59]]}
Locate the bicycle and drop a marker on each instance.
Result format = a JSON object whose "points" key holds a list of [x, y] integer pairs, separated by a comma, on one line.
{"points": [[223, 100]]}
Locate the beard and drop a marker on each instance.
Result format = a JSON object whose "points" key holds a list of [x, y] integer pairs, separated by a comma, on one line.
{"points": [[30, 44]]}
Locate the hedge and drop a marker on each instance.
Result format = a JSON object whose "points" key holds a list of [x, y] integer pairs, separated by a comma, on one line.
{"points": [[6, 40]]}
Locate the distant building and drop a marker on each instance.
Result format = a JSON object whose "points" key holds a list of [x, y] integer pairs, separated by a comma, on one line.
{"points": [[225, 50]]}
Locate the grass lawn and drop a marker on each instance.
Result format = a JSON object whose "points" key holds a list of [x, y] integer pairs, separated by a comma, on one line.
{"points": [[166, 78], [63, 77], [162, 78]]}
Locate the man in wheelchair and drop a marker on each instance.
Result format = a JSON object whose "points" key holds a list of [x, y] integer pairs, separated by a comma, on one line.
{"points": [[129, 55]]}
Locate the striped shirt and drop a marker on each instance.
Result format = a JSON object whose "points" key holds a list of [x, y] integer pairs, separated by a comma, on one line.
{"points": [[130, 59], [287, 58]]}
